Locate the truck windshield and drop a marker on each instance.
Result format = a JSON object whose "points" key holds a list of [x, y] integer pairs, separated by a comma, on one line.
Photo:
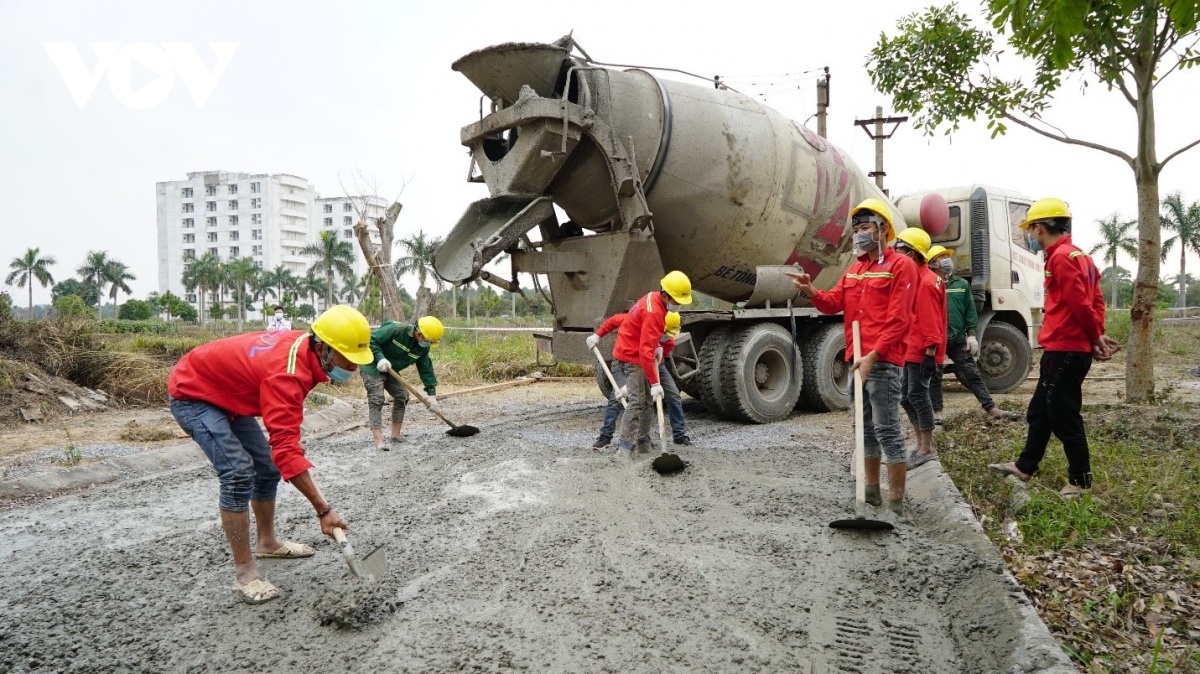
{"points": [[953, 227]]}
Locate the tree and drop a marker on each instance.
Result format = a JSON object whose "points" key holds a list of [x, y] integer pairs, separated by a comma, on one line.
{"points": [[116, 274], [334, 256], [93, 271], [243, 275], [203, 275], [279, 280], [26, 268], [1185, 222], [1115, 239], [942, 68], [71, 306], [1122, 280], [312, 287], [85, 291], [418, 259], [135, 310]]}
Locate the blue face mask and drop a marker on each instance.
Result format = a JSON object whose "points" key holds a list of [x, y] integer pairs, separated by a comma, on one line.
{"points": [[664, 339], [424, 345], [339, 374], [1033, 243]]}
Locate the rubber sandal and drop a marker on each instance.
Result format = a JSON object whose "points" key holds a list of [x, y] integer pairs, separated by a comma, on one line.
{"points": [[1071, 491], [288, 550], [257, 591], [1007, 469], [917, 460]]}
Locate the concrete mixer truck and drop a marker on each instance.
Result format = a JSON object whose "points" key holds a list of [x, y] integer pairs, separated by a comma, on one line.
{"points": [[654, 174]]}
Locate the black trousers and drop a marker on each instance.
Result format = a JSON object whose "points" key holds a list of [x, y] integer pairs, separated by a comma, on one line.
{"points": [[1055, 409], [965, 363]]}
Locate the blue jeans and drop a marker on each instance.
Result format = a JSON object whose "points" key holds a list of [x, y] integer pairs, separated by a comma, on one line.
{"points": [[236, 447], [916, 398], [671, 400], [881, 413]]}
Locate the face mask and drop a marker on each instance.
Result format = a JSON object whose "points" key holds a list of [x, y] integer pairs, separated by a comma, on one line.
{"points": [[664, 339], [339, 374], [865, 241], [945, 266], [1034, 245], [278, 314], [673, 307], [424, 345]]}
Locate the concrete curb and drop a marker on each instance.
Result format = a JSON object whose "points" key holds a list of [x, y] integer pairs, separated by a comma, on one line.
{"points": [[329, 419], [939, 505]]}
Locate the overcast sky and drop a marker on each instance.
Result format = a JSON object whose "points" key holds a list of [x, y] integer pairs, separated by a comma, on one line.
{"points": [[317, 89]]}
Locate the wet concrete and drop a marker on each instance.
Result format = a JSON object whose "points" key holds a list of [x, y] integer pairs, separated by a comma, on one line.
{"points": [[520, 549]]}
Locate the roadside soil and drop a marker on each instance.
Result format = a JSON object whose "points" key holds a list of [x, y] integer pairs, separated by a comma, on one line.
{"points": [[519, 548]]}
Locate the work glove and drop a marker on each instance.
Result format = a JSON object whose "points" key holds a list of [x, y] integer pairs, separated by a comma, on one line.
{"points": [[973, 346], [434, 404], [384, 365], [928, 367], [658, 354], [623, 392], [592, 341], [656, 392]]}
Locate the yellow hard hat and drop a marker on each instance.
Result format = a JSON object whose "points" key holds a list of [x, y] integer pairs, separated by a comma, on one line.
{"points": [[672, 325], [432, 328], [882, 210], [347, 331], [936, 251], [678, 286], [917, 238], [1044, 209]]}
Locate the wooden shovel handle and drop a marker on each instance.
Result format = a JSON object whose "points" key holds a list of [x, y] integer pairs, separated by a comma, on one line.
{"points": [[611, 380], [420, 396]]}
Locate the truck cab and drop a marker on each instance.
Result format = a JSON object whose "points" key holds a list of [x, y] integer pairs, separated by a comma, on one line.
{"points": [[991, 252]]}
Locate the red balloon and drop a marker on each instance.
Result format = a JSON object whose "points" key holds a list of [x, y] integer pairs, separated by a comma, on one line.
{"points": [[935, 214]]}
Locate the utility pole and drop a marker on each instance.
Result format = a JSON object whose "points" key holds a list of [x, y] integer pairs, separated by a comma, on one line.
{"points": [[822, 102], [879, 136]]}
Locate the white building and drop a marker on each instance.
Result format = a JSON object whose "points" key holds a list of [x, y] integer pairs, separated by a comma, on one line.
{"points": [[269, 218]]}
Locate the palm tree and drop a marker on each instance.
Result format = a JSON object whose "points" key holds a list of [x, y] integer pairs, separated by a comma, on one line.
{"points": [[242, 274], [201, 276], [418, 258], [1185, 222], [1115, 238], [278, 281], [313, 286], [116, 273], [353, 288], [93, 271], [28, 267], [334, 256]]}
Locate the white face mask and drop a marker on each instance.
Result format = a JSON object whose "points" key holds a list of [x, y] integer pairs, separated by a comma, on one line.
{"points": [[278, 314]]}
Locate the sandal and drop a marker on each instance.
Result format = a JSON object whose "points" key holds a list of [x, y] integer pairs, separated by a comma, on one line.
{"points": [[917, 460], [257, 591], [1071, 491], [1009, 469], [288, 550]]}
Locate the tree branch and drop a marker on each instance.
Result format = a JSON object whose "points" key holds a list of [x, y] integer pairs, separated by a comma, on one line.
{"points": [[1176, 153], [1064, 138], [1178, 63]]}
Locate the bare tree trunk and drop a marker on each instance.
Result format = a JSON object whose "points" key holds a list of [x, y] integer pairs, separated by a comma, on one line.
{"points": [[422, 304], [453, 300], [1183, 279], [1139, 368], [380, 260]]}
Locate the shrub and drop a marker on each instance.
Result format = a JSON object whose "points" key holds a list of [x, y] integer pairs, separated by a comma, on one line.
{"points": [[135, 310], [119, 327], [69, 307]]}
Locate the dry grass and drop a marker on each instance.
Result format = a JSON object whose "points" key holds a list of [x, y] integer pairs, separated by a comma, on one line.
{"points": [[135, 432]]}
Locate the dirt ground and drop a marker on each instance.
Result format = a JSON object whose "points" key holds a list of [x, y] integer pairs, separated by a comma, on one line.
{"points": [[520, 549]]}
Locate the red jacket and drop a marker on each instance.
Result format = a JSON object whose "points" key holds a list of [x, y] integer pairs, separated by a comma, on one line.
{"points": [[929, 319], [615, 322], [261, 374], [639, 334], [880, 297], [1074, 313]]}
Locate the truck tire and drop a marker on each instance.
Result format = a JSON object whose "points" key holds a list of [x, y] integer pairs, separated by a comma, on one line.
{"points": [[1004, 357], [760, 373], [712, 356], [826, 373]]}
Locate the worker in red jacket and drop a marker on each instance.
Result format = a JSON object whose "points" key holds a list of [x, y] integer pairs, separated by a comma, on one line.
{"points": [[925, 349], [639, 344], [877, 291], [1073, 336], [218, 388]]}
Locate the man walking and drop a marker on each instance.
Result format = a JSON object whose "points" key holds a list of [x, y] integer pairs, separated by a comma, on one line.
{"points": [[639, 342], [395, 346], [671, 397], [218, 388], [1072, 335], [877, 291], [925, 348]]}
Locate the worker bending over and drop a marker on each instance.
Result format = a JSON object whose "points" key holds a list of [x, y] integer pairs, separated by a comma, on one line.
{"points": [[1072, 335], [877, 291], [639, 344], [672, 400], [218, 388], [926, 349], [395, 346]]}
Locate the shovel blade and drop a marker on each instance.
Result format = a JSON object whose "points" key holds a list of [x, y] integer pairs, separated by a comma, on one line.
{"points": [[462, 431], [666, 464], [375, 564], [862, 524]]}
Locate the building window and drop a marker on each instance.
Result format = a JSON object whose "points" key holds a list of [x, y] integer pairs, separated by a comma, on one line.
{"points": [[234, 236], [329, 222], [256, 250], [189, 238], [189, 253], [256, 235], [186, 193], [190, 297], [256, 202], [347, 220], [214, 253], [348, 233], [233, 189], [258, 264], [211, 222], [234, 251], [188, 223], [233, 204], [189, 208], [256, 218], [210, 205], [328, 208], [346, 207], [255, 187], [210, 190], [233, 221], [212, 237]]}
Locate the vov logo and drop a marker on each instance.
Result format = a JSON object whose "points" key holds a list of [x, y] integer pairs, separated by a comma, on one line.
{"points": [[117, 61]]}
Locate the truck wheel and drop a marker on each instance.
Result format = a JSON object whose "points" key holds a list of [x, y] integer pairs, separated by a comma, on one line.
{"points": [[826, 372], [1004, 357], [712, 356], [759, 373]]}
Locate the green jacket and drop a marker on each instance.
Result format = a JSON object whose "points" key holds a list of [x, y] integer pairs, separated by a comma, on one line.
{"points": [[961, 318], [395, 342]]}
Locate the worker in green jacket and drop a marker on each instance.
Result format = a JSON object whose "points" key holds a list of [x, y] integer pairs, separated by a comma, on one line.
{"points": [[396, 346], [962, 346]]}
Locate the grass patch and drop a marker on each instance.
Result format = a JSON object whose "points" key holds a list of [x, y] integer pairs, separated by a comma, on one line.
{"points": [[1114, 574], [135, 432], [473, 357]]}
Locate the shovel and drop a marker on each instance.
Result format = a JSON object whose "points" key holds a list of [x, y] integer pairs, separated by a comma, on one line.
{"points": [[861, 521], [611, 379], [455, 431], [666, 463], [371, 568], [344, 603]]}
